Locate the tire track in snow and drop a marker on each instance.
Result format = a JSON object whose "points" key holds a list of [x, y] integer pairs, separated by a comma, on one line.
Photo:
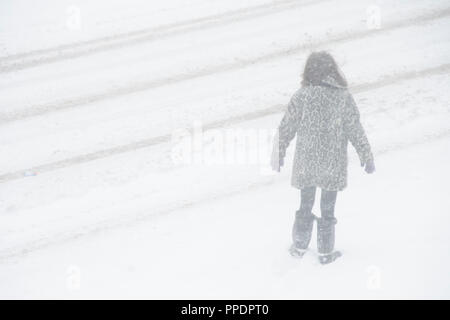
{"points": [[129, 221], [111, 93], [44, 56], [130, 147]]}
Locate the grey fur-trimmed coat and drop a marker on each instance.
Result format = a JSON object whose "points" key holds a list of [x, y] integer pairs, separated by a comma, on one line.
{"points": [[324, 118]]}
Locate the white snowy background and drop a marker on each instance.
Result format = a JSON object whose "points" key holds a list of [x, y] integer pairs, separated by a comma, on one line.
{"points": [[92, 204]]}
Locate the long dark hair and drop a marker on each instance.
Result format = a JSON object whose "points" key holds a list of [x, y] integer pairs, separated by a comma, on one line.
{"points": [[319, 66]]}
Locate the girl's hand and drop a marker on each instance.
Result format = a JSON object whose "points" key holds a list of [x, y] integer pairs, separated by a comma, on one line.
{"points": [[275, 161], [370, 167]]}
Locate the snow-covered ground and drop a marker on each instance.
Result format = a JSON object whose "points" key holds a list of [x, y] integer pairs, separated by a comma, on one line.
{"points": [[393, 230], [93, 205]]}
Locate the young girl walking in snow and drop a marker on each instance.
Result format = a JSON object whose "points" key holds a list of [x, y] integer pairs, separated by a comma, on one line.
{"points": [[325, 117]]}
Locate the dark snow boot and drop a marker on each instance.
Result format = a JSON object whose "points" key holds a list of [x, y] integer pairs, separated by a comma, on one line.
{"points": [[329, 258], [325, 240], [301, 233]]}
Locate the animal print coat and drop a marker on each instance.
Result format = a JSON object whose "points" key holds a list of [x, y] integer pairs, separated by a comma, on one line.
{"points": [[324, 118]]}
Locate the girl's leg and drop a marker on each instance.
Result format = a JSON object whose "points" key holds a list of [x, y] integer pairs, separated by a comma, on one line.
{"points": [[303, 224], [308, 196], [327, 203], [325, 227]]}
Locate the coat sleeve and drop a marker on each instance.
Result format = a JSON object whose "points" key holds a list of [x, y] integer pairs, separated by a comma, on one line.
{"points": [[355, 131], [288, 127]]}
